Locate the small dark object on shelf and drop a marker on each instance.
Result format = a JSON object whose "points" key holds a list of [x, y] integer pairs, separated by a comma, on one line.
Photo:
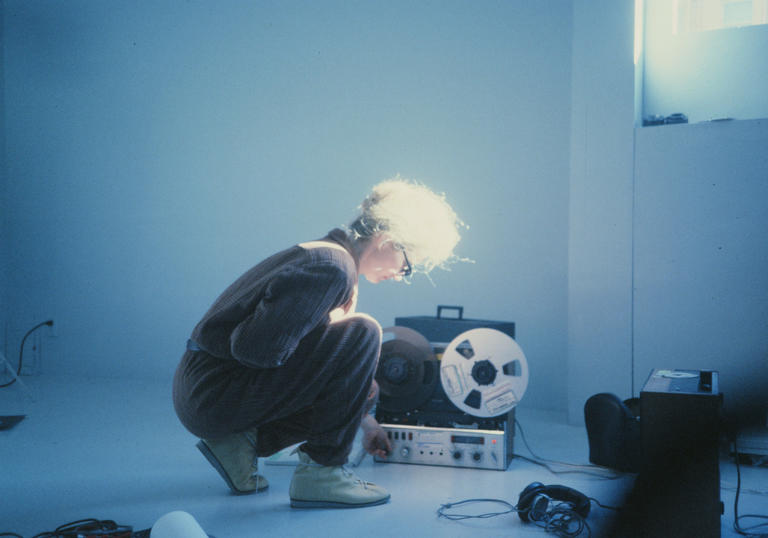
{"points": [[676, 118]]}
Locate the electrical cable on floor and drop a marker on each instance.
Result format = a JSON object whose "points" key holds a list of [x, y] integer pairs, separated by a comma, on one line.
{"points": [[21, 352], [747, 491], [601, 505], [441, 512], [561, 520], [736, 517], [86, 527], [593, 470]]}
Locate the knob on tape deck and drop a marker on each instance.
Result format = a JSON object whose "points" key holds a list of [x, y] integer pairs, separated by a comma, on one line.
{"points": [[448, 389]]}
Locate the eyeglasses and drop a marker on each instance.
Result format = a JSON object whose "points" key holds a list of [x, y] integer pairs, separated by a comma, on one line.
{"points": [[407, 270]]}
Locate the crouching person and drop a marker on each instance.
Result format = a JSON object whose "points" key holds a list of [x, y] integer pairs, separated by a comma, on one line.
{"points": [[283, 357]]}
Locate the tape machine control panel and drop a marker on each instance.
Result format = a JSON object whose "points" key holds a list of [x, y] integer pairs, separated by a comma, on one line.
{"points": [[482, 449]]}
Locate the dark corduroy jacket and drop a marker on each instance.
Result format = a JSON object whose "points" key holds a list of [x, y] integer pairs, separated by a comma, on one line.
{"points": [[260, 319]]}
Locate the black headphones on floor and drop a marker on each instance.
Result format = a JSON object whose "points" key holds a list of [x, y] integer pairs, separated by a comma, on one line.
{"points": [[535, 499]]}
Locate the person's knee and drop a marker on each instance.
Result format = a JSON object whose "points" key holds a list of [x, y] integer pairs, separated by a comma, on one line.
{"points": [[366, 328]]}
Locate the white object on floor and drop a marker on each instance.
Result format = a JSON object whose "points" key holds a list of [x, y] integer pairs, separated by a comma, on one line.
{"points": [[177, 524], [286, 456]]}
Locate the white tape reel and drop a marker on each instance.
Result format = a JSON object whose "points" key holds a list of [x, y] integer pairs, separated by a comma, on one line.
{"points": [[484, 372]]}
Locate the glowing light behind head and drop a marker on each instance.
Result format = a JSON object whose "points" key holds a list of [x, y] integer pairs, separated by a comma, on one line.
{"points": [[414, 217]]}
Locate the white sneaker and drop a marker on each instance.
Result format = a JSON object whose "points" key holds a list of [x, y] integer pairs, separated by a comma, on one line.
{"points": [[320, 486]]}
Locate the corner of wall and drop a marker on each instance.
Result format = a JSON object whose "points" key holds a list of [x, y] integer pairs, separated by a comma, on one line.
{"points": [[600, 203]]}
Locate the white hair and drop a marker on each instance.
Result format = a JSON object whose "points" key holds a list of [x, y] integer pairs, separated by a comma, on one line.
{"points": [[413, 217]]}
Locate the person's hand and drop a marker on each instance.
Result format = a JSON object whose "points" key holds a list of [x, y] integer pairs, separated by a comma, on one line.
{"points": [[375, 439]]}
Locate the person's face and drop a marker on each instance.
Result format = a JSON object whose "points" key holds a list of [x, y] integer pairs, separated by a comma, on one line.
{"points": [[382, 260]]}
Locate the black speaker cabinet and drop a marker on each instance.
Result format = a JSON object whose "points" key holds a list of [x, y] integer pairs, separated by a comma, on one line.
{"points": [[677, 492]]}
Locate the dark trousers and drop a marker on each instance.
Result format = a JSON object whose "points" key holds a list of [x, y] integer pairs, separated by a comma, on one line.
{"points": [[318, 395]]}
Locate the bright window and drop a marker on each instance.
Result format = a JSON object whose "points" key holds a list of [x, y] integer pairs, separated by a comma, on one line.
{"points": [[703, 60], [701, 15]]}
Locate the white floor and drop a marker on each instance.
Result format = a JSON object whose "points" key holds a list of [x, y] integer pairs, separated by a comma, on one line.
{"points": [[110, 449]]}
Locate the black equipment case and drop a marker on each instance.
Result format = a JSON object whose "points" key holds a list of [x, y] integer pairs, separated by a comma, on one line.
{"points": [[440, 330]]}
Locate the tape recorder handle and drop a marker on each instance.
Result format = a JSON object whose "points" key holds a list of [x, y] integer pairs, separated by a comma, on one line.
{"points": [[459, 309]]}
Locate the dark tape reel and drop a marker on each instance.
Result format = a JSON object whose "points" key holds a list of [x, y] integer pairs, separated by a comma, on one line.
{"points": [[407, 376], [408, 335]]}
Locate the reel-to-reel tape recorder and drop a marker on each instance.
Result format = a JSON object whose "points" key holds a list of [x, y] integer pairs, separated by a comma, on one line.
{"points": [[448, 389]]}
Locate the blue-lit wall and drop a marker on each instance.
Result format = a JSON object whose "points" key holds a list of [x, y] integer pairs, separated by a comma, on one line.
{"points": [[156, 151], [600, 203], [153, 154], [701, 256], [4, 240]]}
